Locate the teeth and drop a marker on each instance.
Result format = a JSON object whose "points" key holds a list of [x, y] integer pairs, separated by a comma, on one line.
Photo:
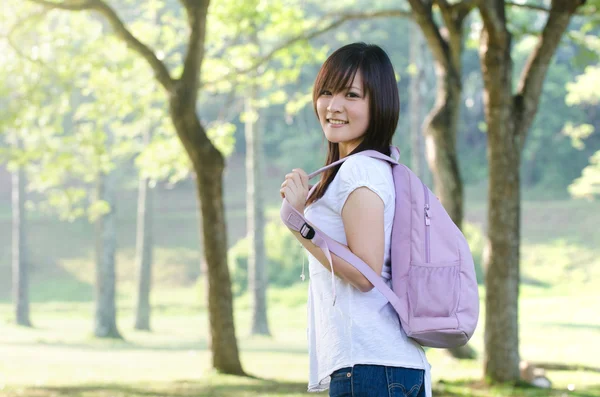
{"points": [[337, 122]]}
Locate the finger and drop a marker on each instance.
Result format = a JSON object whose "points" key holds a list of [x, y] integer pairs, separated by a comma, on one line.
{"points": [[303, 176], [297, 180], [289, 194], [290, 181]]}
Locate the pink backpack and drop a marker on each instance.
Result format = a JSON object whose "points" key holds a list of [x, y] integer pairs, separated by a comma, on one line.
{"points": [[434, 288]]}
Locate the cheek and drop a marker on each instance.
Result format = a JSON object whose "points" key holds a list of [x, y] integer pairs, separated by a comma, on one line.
{"points": [[321, 108]]}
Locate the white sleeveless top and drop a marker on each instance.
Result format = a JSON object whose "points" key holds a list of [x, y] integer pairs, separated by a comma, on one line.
{"points": [[362, 328]]}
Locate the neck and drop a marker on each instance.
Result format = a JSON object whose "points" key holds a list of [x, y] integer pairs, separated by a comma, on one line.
{"points": [[346, 148]]}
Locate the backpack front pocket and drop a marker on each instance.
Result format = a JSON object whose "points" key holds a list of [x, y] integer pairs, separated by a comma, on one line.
{"points": [[433, 289]]}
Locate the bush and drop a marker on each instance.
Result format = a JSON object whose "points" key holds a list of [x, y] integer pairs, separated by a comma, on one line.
{"points": [[476, 240], [285, 256]]}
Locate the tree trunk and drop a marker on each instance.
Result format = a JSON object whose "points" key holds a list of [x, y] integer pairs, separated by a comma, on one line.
{"points": [[220, 300], [501, 361], [257, 277], [19, 250], [208, 165], [416, 101], [509, 117], [144, 245], [440, 131], [106, 245]]}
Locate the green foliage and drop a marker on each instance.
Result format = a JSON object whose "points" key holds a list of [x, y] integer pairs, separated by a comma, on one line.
{"points": [[285, 256], [477, 241], [588, 184], [584, 92], [585, 87], [221, 135], [163, 159], [88, 114], [578, 133]]}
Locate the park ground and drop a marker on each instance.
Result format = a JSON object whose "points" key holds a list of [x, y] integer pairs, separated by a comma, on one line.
{"points": [[559, 320]]}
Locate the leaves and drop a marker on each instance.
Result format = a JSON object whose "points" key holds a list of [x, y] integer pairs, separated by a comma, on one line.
{"points": [[585, 88], [588, 185], [578, 133]]}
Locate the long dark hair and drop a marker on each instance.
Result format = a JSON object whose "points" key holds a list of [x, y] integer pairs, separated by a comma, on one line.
{"points": [[379, 83]]}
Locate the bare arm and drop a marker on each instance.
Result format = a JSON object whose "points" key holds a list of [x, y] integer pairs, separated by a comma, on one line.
{"points": [[362, 216]]}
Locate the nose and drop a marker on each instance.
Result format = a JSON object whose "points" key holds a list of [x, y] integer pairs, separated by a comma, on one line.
{"points": [[335, 104]]}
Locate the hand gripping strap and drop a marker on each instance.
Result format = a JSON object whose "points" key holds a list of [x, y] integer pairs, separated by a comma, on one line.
{"points": [[296, 221]]}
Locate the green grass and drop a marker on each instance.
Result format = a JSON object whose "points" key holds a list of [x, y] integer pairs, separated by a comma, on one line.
{"points": [[59, 357]]}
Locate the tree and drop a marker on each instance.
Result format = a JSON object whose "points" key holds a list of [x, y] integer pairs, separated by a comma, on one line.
{"points": [[20, 263], [509, 116], [105, 318], [143, 249], [446, 45], [416, 101], [257, 259], [24, 86], [208, 163]]}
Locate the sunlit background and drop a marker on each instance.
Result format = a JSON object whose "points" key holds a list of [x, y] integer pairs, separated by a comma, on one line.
{"points": [[87, 139]]}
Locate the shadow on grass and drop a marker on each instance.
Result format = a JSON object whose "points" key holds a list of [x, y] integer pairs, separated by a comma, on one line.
{"points": [[221, 386], [574, 326], [230, 386], [470, 388], [99, 344]]}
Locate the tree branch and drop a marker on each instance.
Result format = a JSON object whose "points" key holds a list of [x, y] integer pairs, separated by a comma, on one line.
{"points": [[344, 18], [464, 8], [532, 78], [527, 6], [423, 16], [196, 12], [535, 7], [11, 42], [75, 5], [160, 70], [494, 19], [44, 65]]}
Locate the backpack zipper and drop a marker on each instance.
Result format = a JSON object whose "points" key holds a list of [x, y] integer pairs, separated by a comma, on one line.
{"points": [[427, 224]]}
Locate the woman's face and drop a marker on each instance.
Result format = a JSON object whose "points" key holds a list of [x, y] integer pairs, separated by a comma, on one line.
{"points": [[344, 115]]}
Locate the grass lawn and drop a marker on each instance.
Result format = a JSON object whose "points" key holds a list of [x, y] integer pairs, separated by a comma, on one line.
{"points": [[559, 320], [60, 358]]}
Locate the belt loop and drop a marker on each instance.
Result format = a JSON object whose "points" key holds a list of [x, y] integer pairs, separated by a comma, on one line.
{"points": [[352, 380]]}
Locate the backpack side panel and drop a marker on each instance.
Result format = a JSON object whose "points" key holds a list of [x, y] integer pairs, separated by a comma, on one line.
{"points": [[432, 267]]}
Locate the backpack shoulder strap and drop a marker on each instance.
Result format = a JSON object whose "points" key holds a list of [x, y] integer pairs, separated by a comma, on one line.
{"points": [[296, 221]]}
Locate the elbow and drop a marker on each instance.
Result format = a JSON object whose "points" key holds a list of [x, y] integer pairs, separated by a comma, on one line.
{"points": [[365, 286]]}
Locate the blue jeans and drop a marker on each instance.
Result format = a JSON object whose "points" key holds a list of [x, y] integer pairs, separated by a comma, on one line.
{"points": [[377, 381]]}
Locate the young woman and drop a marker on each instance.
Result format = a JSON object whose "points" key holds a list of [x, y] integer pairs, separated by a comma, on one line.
{"points": [[356, 346]]}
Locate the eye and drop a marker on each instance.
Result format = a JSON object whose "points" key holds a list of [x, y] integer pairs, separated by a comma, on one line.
{"points": [[325, 92], [353, 95]]}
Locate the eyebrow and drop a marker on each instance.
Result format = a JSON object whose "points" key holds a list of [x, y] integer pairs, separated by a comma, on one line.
{"points": [[355, 87]]}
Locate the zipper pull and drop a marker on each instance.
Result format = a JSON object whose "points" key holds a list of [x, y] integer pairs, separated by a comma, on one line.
{"points": [[427, 215]]}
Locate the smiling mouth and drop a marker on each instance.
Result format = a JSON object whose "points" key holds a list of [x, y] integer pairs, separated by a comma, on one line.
{"points": [[336, 122]]}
